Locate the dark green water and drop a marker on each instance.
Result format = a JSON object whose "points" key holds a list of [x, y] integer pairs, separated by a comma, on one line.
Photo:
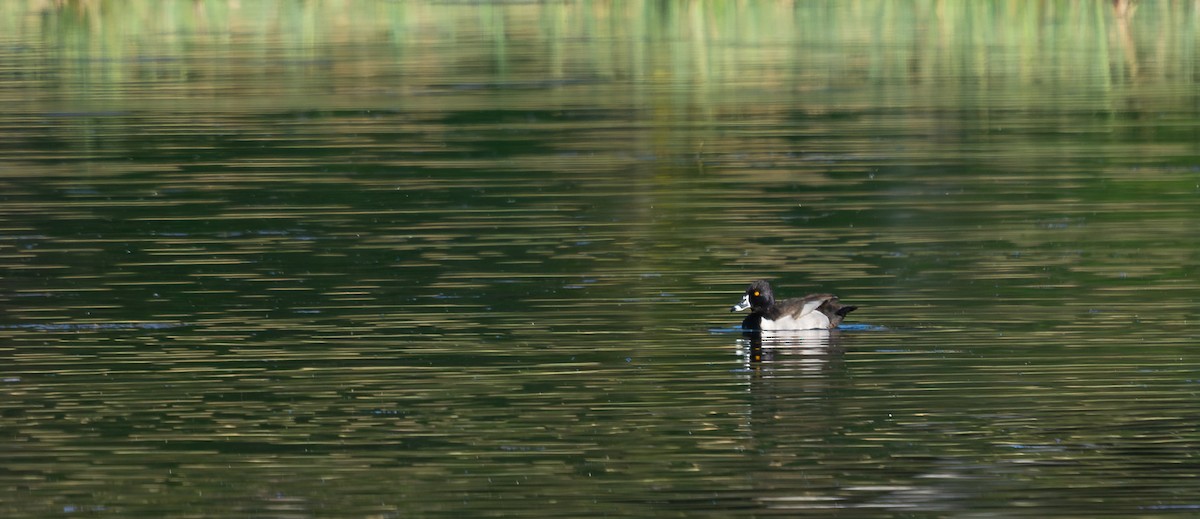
{"points": [[295, 259]]}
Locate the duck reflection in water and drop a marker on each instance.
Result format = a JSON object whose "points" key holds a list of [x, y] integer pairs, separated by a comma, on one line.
{"points": [[807, 350], [801, 330]]}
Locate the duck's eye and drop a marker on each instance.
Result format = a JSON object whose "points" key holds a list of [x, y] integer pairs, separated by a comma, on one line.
{"points": [[756, 294]]}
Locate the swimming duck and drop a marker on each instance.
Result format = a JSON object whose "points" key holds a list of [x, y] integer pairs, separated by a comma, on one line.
{"points": [[811, 312]]}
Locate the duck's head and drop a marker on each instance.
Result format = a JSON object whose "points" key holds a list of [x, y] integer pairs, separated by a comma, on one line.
{"points": [[757, 298]]}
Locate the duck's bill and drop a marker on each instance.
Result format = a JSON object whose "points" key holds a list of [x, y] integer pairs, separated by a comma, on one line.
{"points": [[742, 305]]}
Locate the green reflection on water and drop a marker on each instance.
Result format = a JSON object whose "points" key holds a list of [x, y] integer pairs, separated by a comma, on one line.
{"points": [[280, 258]]}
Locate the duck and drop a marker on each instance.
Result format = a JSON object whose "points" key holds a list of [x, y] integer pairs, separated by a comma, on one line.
{"points": [[811, 312]]}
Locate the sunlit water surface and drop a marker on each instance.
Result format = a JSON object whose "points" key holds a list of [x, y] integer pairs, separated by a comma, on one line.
{"points": [[458, 260]]}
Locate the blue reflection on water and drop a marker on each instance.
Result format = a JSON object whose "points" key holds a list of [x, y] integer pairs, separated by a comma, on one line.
{"points": [[55, 327]]}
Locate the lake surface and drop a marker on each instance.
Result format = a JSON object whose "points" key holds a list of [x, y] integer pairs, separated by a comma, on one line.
{"points": [[442, 259]]}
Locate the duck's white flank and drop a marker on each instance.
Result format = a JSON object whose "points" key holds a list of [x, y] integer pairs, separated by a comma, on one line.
{"points": [[807, 319]]}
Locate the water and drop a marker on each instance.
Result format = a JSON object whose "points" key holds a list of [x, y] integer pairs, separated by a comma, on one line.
{"points": [[435, 259]]}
